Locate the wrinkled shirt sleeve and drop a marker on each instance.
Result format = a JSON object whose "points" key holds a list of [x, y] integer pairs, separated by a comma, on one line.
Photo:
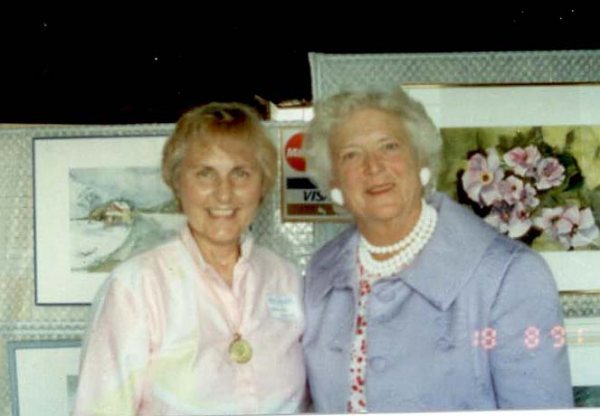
{"points": [[115, 354], [529, 361]]}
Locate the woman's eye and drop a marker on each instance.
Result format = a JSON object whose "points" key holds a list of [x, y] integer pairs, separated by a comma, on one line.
{"points": [[241, 173], [348, 156], [391, 145], [204, 173]]}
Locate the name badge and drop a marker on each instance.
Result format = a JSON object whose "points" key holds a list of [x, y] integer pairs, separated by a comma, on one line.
{"points": [[283, 307]]}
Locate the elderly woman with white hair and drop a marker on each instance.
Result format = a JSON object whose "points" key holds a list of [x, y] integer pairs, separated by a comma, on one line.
{"points": [[419, 305]]}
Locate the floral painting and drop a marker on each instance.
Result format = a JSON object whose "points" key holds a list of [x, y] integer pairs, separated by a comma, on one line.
{"points": [[537, 184]]}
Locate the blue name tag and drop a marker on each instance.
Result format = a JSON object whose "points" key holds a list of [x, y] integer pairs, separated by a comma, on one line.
{"points": [[283, 307]]}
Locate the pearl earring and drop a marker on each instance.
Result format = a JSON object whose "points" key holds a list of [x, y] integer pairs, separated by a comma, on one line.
{"points": [[424, 176], [337, 196]]}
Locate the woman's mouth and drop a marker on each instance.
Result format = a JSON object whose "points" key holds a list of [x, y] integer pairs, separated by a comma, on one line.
{"points": [[380, 189], [221, 212]]}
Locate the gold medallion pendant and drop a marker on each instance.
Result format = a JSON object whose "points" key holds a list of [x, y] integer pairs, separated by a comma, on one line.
{"points": [[240, 350]]}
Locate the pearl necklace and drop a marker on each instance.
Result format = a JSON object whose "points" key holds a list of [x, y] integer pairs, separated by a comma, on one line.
{"points": [[399, 245], [407, 248]]}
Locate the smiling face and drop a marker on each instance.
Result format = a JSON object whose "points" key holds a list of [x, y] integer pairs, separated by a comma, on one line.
{"points": [[375, 166], [220, 189]]}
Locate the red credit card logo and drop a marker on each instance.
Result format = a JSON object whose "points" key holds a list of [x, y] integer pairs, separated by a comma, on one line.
{"points": [[294, 154]]}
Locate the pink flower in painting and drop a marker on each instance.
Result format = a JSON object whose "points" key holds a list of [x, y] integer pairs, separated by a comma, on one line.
{"points": [[528, 196], [523, 161], [585, 230], [514, 190], [481, 179], [549, 173], [511, 220], [551, 220], [511, 189], [572, 227], [520, 188]]}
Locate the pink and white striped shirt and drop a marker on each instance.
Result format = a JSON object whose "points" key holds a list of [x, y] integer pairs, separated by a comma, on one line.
{"points": [[161, 328]]}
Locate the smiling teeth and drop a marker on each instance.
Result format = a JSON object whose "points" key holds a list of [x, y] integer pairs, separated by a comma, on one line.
{"points": [[221, 212]]}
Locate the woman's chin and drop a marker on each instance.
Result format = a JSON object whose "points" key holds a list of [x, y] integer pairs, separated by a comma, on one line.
{"points": [[383, 213]]}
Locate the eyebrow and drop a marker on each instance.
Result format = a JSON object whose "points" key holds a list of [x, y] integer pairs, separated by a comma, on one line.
{"points": [[389, 137], [204, 165], [250, 167], [358, 142]]}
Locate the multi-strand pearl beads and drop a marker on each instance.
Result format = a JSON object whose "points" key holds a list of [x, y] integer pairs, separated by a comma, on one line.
{"points": [[406, 249]]}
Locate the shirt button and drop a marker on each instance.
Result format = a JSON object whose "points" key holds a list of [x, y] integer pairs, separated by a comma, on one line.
{"points": [[386, 295], [377, 363]]}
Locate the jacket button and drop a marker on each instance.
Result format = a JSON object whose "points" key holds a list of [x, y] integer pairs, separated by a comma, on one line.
{"points": [[377, 363], [386, 295]]}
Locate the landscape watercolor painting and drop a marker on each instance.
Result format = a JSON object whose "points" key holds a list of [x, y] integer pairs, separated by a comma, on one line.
{"points": [[115, 213], [537, 184]]}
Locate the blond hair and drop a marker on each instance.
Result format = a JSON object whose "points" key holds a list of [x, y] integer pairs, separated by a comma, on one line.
{"points": [[207, 125]]}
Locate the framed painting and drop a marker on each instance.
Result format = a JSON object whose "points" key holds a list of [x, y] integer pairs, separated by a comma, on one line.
{"points": [[526, 158], [43, 376], [97, 201], [301, 199], [488, 90]]}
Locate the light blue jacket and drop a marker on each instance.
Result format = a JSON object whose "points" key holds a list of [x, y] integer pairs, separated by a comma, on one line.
{"points": [[448, 332]]}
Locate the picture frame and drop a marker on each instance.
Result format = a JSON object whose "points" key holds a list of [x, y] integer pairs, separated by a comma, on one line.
{"points": [[43, 376], [331, 73], [97, 200], [301, 199], [515, 109], [583, 341]]}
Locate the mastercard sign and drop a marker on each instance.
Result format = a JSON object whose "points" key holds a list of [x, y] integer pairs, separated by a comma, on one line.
{"points": [[301, 198], [294, 155]]}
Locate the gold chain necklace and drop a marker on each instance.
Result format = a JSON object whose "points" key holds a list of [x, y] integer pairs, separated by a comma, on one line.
{"points": [[239, 350]]}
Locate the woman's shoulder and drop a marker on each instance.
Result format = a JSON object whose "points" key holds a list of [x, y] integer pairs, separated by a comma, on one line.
{"points": [[523, 266], [461, 229], [511, 270], [338, 246], [478, 247]]}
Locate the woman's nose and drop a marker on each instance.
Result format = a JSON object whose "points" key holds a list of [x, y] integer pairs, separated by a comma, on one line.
{"points": [[224, 190], [373, 163]]}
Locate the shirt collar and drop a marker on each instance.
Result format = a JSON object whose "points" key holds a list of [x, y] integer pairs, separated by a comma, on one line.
{"points": [[247, 245]]}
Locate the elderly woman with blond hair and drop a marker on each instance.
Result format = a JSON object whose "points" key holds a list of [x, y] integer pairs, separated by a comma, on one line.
{"points": [[208, 322], [419, 305]]}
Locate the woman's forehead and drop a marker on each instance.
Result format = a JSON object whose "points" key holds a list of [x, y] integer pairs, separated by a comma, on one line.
{"points": [[368, 123], [240, 151]]}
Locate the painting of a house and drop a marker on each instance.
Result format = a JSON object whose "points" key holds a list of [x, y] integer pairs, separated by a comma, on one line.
{"points": [[116, 213]]}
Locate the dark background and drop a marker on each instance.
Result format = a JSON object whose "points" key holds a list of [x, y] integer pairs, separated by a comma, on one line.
{"points": [[152, 64]]}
